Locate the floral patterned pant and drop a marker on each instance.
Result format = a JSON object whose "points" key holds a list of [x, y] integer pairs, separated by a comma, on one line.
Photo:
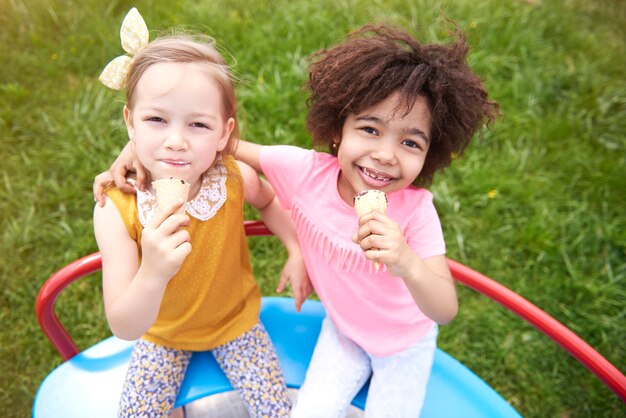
{"points": [[155, 375]]}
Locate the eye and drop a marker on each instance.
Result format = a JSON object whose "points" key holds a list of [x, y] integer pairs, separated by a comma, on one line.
{"points": [[369, 130], [200, 125], [154, 119], [412, 144]]}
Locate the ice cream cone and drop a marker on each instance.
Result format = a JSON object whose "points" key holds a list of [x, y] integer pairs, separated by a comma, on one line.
{"points": [[169, 190], [367, 201]]}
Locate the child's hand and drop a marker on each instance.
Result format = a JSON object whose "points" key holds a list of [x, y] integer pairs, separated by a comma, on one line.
{"points": [[382, 240], [125, 162], [165, 245], [295, 273]]}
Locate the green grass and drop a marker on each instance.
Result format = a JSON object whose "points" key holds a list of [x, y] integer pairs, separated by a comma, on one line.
{"points": [[537, 204]]}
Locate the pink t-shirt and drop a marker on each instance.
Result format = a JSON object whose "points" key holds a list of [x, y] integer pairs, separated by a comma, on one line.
{"points": [[373, 309]]}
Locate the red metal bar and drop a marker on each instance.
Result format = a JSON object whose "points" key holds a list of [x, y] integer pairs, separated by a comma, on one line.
{"points": [[541, 320], [256, 228], [44, 305], [545, 323]]}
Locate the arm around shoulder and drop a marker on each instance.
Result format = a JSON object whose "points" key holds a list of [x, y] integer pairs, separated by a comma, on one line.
{"points": [[260, 195], [249, 153]]}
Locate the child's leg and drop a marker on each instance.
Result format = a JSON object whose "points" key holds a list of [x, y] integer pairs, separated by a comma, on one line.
{"points": [[251, 365], [398, 385], [337, 371], [155, 374]]}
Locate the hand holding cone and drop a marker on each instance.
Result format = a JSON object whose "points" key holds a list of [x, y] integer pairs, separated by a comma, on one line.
{"points": [[367, 201]]}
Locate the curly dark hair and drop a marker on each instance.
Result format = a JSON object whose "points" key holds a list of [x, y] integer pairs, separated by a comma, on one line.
{"points": [[379, 60]]}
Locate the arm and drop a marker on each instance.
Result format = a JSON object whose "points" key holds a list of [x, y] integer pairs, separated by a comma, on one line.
{"points": [[429, 281], [133, 291], [249, 153], [259, 194], [123, 164], [126, 162]]}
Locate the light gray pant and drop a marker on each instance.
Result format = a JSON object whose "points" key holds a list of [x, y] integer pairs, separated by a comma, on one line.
{"points": [[340, 367]]}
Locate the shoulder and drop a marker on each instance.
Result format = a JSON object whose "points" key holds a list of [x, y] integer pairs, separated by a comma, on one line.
{"points": [[411, 198], [284, 155], [118, 196], [413, 205], [245, 170], [114, 218], [229, 162]]}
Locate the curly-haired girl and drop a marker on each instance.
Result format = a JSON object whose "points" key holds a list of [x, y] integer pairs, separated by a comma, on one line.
{"points": [[392, 112]]}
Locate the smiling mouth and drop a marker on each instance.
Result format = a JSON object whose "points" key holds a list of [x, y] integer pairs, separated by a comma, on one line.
{"points": [[376, 175]]}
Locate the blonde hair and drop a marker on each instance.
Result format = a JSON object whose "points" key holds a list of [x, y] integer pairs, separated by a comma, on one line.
{"points": [[196, 49]]}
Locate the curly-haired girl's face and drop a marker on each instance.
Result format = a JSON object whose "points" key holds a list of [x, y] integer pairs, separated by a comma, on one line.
{"points": [[383, 149]]}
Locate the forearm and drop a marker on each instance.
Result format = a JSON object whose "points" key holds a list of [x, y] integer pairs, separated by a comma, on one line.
{"points": [[279, 222], [134, 311], [249, 153], [260, 195], [434, 294]]}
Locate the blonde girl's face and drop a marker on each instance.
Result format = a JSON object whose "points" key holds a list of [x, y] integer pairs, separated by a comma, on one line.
{"points": [[383, 149], [177, 123]]}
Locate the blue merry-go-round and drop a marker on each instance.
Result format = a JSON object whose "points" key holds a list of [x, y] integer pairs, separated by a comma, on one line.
{"points": [[89, 382]]}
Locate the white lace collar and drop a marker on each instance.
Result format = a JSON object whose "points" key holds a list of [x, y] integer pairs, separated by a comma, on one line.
{"points": [[204, 206]]}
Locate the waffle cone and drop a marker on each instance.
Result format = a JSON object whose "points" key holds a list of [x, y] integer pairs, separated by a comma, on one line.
{"points": [[170, 190], [370, 200]]}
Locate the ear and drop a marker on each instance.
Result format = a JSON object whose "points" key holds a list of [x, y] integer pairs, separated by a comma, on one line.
{"points": [[228, 129], [129, 123], [334, 146]]}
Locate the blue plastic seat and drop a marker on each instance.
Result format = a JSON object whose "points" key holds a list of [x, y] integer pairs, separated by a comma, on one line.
{"points": [[89, 384]]}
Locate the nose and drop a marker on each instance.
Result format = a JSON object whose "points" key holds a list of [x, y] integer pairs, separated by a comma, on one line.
{"points": [[175, 139], [384, 151]]}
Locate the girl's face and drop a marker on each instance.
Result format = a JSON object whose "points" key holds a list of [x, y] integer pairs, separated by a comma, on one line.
{"points": [[381, 149], [177, 123]]}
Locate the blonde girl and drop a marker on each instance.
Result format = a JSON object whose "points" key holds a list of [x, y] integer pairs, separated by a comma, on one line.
{"points": [[180, 283]]}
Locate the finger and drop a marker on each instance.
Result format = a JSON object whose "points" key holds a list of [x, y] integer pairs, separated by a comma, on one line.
{"points": [[118, 172], [98, 194], [174, 224], [374, 254], [179, 254], [162, 213], [375, 218], [178, 238], [142, 175], [365, 243], [375, 242], [184, 249], [100, 182], [298, 299], [362, 233], [127, 188], [366, 217], [282, 283]]}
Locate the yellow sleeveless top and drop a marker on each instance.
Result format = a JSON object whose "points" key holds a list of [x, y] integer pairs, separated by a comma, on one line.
{"points": [[213, 298]]}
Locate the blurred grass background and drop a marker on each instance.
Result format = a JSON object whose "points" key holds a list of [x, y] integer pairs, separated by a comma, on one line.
{"points": [[537, 204]]}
